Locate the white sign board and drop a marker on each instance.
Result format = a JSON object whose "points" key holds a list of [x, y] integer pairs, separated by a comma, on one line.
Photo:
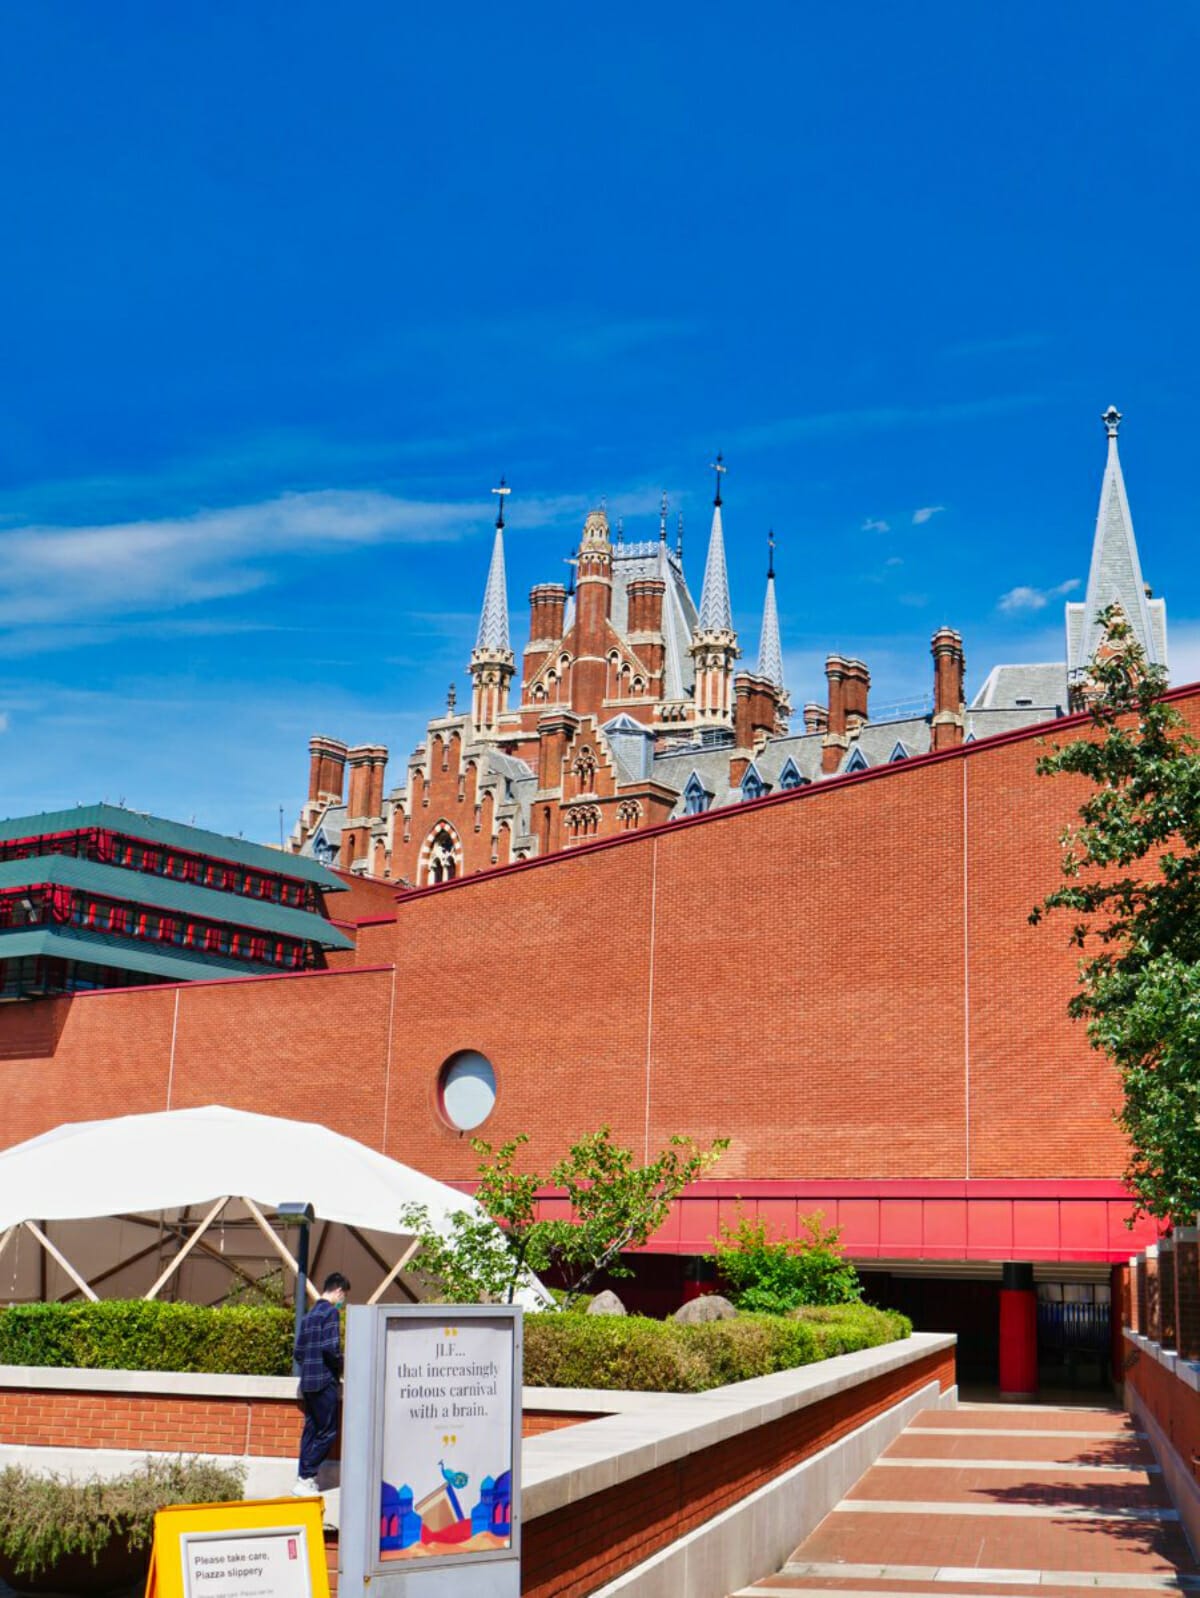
{"points": [[447, 1441], [431, 1450], [268, 1564]]}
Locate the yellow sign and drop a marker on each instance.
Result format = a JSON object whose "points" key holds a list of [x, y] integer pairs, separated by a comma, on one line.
{"points": [[266, 1548]]}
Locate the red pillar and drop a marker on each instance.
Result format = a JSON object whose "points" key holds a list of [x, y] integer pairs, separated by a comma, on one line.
{"points": [[1018, 1332]]}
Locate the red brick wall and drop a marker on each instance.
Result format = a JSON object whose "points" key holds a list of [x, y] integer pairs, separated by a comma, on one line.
{"points": [[261, 1427], [1173, 1404], [53, 1418], [841, 980]]}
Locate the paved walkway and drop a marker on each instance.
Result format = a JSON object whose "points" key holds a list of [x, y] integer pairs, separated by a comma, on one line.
{"points": [[1000, 1499]]}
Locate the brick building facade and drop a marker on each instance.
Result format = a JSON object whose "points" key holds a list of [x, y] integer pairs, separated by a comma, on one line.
{"points": [[633, 705]]}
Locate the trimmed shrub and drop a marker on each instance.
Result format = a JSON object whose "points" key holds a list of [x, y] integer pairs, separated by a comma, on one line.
{"points": [[775, 1275], [642, 1355], [133, 1334], [44, 1519]]}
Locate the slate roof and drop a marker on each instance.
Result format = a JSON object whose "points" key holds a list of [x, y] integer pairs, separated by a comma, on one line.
{"points": [[493, 616], [1115, 575], [92, 948], [770, 650], [1043, 685], [165, 893], [172, 835], [716, 612]]}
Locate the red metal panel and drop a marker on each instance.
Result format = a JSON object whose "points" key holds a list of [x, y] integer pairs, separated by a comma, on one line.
{"points": [[1083, 1228], [778, 1214], [1035, 1229], [900, 1228], [859, 1222], [698, 1225], [944, 1229], [990, 1229]]}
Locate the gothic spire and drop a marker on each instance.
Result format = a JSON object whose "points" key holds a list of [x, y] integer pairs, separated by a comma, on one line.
{"points": [[770, 651], [493, 618], [716, 614], [1115, 575]]}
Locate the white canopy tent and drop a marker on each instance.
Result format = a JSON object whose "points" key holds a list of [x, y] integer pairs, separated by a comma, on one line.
{"points": [[180, 1204]]}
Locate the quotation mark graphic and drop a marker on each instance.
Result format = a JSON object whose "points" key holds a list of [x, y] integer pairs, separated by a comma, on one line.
{"points": [[449, 1438]]}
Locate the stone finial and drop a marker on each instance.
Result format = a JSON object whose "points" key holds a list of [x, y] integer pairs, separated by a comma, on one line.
{"points": [[451, 699], [1111, 420]]}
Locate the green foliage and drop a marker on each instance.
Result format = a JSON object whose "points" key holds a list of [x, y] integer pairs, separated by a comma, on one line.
{"points": [[774, 1275], [641, 1355], [44, 1519], [615, 1205], [1131, 870], [133, 1334]]}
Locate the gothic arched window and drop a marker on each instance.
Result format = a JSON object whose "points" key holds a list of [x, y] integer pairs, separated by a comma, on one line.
{"points": [[443, 866], [753, 787]]}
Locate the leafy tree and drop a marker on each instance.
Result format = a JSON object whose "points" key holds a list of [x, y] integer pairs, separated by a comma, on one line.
{"points": [[616, 1204], [1131, 869], [775, 1275]]}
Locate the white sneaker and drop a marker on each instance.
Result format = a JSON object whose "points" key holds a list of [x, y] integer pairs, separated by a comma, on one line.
{"points": [[306, 1487]]}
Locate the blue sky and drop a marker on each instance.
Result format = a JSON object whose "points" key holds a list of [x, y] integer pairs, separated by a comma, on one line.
{"points": [[287, 287]]}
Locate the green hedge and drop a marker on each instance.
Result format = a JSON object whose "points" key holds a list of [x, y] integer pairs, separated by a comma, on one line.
{"points": [[624, 1351], [131, 1334], [641, 1355]]}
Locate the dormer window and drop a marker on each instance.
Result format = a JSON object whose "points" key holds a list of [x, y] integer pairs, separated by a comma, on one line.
{"points": [[696, 797], [856, 762], [753, 787], [790, 776], [898, 753]]}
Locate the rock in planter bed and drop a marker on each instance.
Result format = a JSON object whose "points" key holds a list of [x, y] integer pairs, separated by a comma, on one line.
{"points": [[708, 1307], [606, 1303]]}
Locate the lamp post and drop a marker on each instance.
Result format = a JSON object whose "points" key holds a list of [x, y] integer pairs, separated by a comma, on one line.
{"points": [[301, 1215]]}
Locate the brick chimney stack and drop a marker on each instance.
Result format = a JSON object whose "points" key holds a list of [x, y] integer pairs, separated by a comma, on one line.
{"points": [[547, 610], [849, 684], [326, 770], [949, 672], [816, 717], [593, 604]]}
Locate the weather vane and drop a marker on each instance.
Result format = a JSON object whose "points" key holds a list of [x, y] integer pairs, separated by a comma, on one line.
{"points": [[720, 468], [502, 491], [771, 553]]}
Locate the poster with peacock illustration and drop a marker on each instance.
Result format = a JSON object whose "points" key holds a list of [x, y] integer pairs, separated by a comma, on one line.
{"points": [[447, 1449]]}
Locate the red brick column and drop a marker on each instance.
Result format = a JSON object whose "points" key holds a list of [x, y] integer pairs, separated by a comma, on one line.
{"points": [[1143, 1297], [1153, 1328], [1166, 1292], [1137, 1294], [1187, 1292]]}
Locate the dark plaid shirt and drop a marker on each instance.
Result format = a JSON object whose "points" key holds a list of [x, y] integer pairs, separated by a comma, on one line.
{"points": [[319, 1347]]}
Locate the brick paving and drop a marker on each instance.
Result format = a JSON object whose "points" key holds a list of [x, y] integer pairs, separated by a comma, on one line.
{"points": [[1000, 1499]]}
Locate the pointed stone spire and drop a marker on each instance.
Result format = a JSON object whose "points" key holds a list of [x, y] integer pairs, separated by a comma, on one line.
{"points": [[716, 613], [770, 651], [662, 519], [493, 618], [1115, 575]]}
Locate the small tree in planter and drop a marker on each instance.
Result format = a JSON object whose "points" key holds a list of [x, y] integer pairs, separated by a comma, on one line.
{"points": [[616, 1204]]}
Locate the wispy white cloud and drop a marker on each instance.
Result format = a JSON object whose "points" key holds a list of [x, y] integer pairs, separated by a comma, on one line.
{"points": [[876, 524], [925, 513], [893, 560], [1012, 344], [4, 721], [881, 418], [1023, 598]]}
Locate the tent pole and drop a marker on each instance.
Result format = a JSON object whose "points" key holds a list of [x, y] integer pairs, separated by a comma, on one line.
{"points": [[391, 1276], [280, 1248], [57, 1254], [188, 1247]]}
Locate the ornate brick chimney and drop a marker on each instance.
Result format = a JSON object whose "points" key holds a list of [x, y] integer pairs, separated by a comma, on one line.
{"points": [[326, 770], [849, 684], [949, 672]]}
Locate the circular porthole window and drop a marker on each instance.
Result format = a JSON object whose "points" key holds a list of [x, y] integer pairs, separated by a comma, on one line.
{"points": [[466, 1090]]}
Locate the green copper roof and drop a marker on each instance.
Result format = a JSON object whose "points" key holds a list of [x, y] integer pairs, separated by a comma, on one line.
{"points": [[165, 893], [173, 835], [91, 948]]}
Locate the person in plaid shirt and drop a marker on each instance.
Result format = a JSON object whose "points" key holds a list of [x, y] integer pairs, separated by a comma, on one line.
{"points": [[318, 1353]]}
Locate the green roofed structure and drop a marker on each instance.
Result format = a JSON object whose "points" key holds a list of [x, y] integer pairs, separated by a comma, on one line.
{"points": [[102, 897]]}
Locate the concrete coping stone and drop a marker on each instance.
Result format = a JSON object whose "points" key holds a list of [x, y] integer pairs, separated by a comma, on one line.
{"points": [[564, 1466], [1188, 1371]]}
